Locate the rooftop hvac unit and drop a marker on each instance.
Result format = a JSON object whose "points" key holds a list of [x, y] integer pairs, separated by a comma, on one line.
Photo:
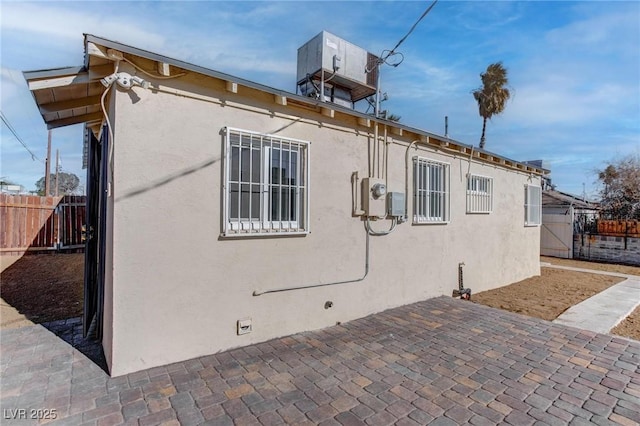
{"points": [[333, 65]]}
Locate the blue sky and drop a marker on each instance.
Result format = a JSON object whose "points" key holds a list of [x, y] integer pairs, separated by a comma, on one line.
{"points": [[574, 67]]}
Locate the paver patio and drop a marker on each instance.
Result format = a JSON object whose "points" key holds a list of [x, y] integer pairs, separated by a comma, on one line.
{"points": [[441, 361]]}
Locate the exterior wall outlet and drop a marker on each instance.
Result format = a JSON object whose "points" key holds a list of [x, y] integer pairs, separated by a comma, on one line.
{"points": [[244, 326]]}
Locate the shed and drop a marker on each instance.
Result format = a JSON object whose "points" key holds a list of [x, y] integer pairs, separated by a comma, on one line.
{"points": [[563, 215]]}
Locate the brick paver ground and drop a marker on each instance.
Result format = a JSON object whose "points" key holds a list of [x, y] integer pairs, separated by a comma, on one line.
{"points": [[440, 362]]}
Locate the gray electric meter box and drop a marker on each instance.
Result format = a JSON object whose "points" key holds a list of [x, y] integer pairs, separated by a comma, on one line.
{"points": [[395, 204]]}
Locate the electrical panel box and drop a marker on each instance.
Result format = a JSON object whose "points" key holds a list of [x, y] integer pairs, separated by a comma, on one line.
{"points": [[395, 204], [374, 196]]}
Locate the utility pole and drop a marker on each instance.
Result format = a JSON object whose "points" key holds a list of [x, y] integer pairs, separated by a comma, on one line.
{"points": [[57, 169], [47, 168]]}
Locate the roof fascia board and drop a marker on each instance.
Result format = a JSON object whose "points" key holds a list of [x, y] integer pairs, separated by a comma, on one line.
{"points": [[52, 73], [46, 79], [60, 81]]}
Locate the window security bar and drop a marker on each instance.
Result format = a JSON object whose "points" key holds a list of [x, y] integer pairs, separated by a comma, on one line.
{"points": [[266, 184]]}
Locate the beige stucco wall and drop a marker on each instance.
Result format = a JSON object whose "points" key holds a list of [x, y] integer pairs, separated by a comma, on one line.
{"points": [[178, 288]]}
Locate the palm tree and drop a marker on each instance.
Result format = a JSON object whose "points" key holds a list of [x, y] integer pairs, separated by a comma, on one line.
{"points": [[493, 95]]}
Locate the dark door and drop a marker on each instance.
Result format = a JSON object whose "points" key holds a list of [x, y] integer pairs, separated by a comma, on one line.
{"points": [[95, 235]]}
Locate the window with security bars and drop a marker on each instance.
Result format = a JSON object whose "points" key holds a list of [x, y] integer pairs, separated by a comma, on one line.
{"points": [[532, 205], [266, 184], [430, 191], [479, 194]]}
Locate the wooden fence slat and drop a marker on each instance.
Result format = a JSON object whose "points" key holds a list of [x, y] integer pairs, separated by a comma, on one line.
{"points": [[621, 228], [32, 223]]}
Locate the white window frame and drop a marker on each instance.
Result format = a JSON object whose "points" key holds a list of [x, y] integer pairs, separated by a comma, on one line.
{"points": [[264, 186], [431, 191], [479, 194], [532, 205]]}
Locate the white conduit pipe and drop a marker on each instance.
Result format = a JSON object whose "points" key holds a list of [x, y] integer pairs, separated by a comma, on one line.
{"points": [[110, 129], [406, 179], [386, 157], [375, 152]]}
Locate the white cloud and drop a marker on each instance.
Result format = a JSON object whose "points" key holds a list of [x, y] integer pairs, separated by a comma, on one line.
{"points": [[12, 84], [599, 33], [486, 16], [64, 23], [543, 104]]}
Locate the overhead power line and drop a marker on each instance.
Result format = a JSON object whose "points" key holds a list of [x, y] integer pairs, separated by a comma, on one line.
{"points": [[393, 51], [12, 130], [387, 54]]}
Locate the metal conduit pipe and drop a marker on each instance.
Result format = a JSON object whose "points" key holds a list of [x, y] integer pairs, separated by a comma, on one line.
{"points": [[370, 231], [354, 199], [376, 166], [367, 223], [470, 159], [386, 157], [366, 272], [406, 179]]}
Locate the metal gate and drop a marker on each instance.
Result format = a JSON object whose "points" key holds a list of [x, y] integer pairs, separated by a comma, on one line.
{"points": [[96, 233], [556, 235]]}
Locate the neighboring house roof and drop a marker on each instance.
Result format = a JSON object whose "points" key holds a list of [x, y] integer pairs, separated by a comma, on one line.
{"points": [[73, 95], [556, 199], [12, 189]]}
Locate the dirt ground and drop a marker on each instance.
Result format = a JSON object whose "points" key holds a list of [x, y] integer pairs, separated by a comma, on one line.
{"points": [[42, 288], [548, 295], [630, 326], [556, 290], [609, 267]]}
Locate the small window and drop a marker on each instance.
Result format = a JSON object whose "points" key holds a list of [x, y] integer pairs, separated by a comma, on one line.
{"points": [[479, 194], [532, 205], [266, 184], [430, 191]]}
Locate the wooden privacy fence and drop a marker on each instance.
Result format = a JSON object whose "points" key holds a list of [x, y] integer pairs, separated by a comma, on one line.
{"points": [[621, 228], [33, 223]]}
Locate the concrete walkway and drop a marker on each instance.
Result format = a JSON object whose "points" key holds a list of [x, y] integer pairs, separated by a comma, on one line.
{"points": [[441, 361], [603, 311]]}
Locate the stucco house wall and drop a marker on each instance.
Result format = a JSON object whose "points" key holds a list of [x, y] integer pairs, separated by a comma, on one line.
{"points": [[167, 281], [175, 288]]}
